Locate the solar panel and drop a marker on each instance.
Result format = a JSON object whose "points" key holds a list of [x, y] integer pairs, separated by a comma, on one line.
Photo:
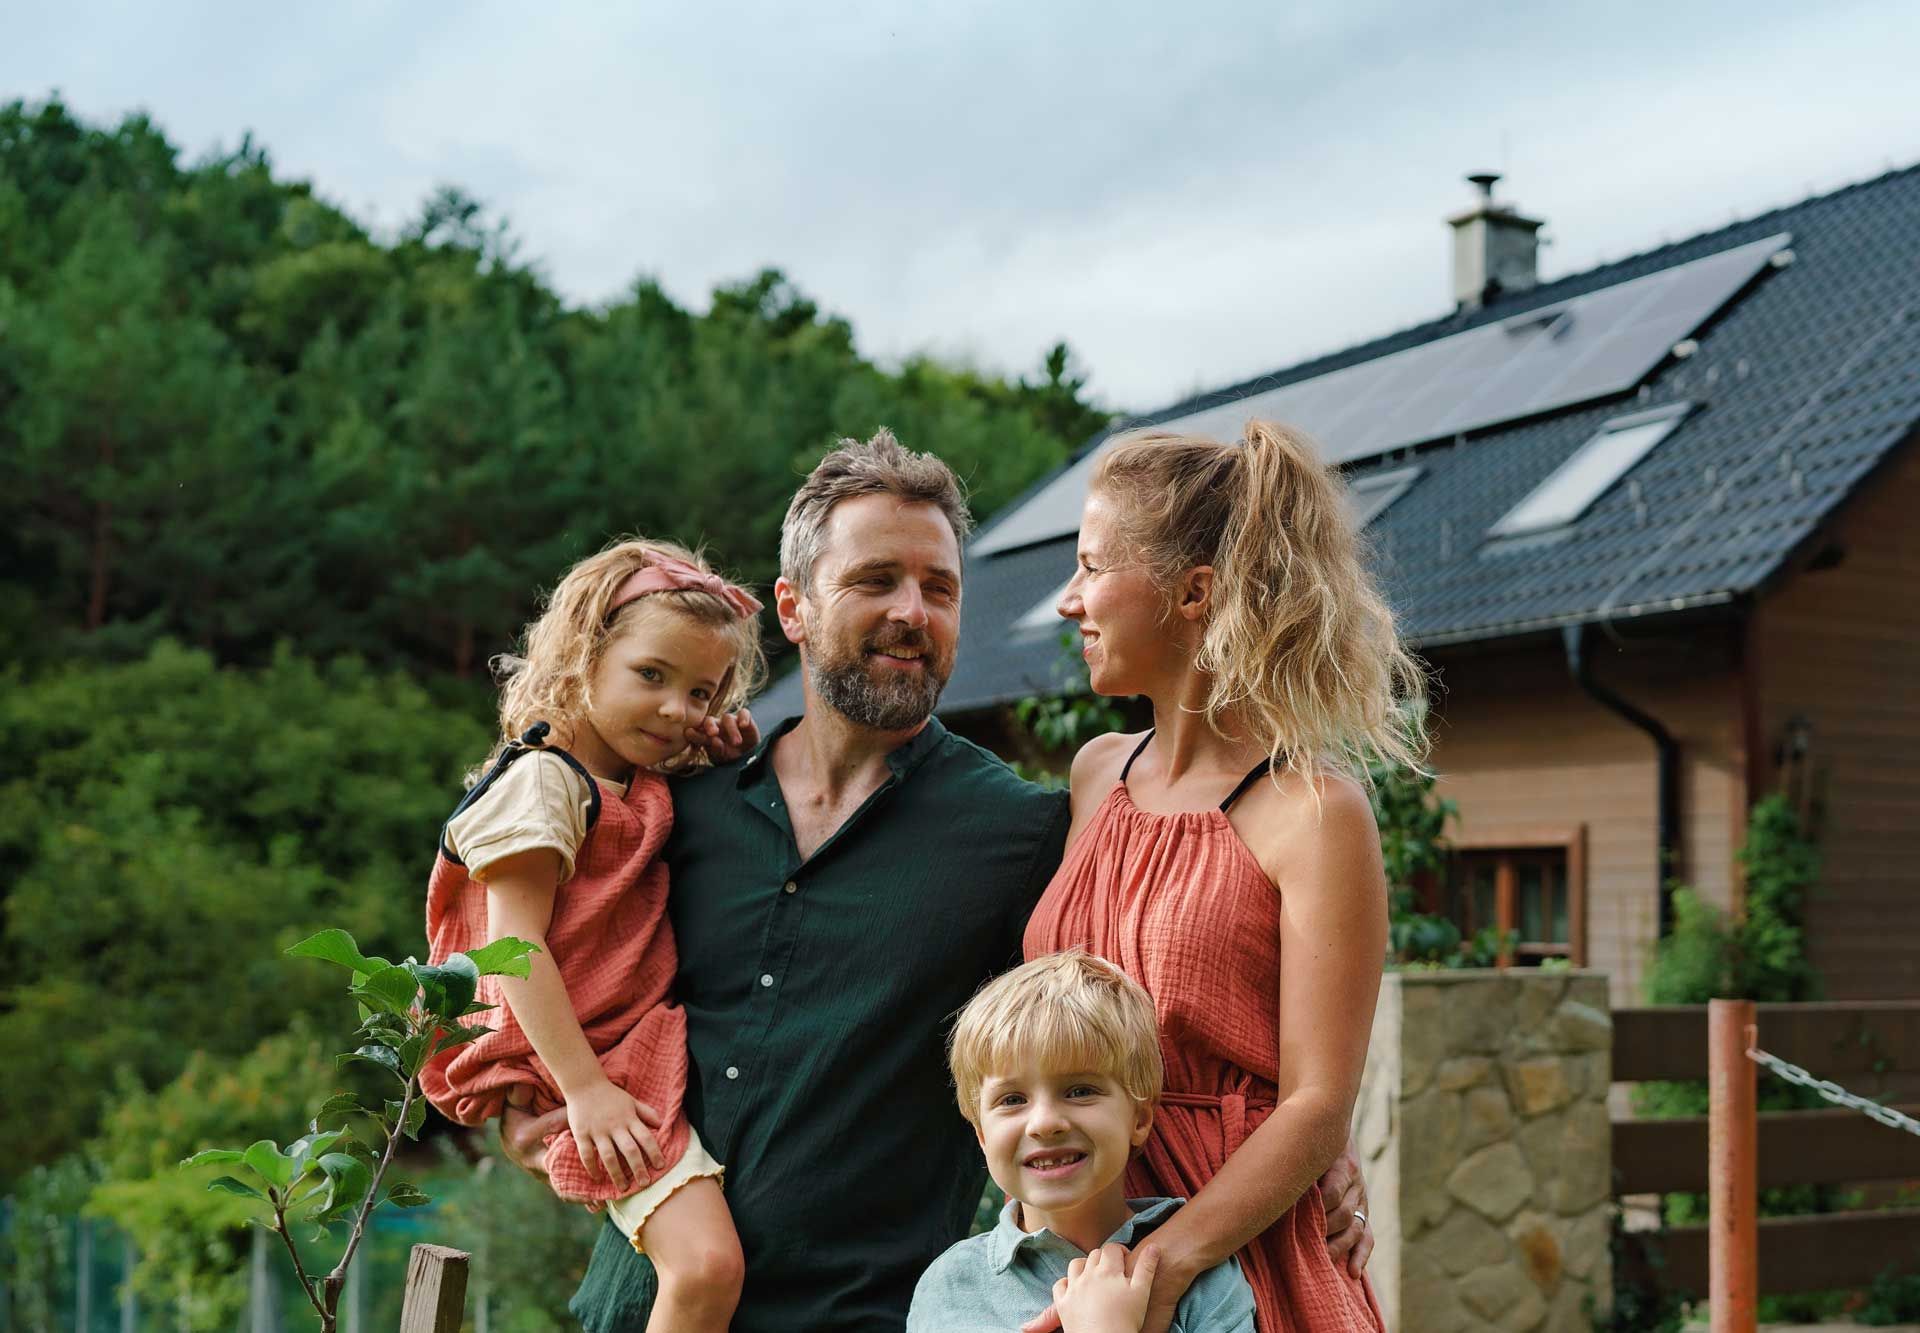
{"points": [[1586, 347], [1368, 497]]}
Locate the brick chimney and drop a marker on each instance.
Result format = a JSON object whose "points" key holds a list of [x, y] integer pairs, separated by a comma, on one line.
{"points": [[1494, 248]]}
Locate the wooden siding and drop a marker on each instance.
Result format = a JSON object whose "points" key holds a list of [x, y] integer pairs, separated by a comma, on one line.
{"points": [[1518, 745], [1841, 647]]}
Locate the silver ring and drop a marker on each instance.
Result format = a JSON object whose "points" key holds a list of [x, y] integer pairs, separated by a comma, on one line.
{"points": [[1360, 1216]]}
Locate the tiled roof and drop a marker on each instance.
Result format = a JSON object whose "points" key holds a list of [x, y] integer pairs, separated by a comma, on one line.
{"points": [[1801, 387]]}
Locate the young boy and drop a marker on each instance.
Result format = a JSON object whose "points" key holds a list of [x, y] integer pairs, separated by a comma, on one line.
{"points": [[1057, 1066]]}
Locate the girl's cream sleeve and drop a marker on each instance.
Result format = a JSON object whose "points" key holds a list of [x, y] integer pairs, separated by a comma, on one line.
{"points": [[538, 802]]}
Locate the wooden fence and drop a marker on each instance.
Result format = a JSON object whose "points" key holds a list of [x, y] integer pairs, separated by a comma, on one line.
{"points": [[1849, 1043]]}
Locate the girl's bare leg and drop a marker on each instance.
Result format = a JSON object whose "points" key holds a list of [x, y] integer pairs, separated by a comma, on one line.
{"points": [[696, 1252]]}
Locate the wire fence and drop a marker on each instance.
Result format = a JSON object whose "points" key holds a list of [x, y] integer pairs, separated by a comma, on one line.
{"points": [[84, 1284]]}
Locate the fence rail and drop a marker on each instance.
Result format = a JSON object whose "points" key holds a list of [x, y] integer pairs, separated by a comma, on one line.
{"points": [[1773, 1148]]}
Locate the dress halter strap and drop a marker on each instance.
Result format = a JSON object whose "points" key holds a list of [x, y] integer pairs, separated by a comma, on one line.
{"points": [[1127, 767], [1258, 771]]}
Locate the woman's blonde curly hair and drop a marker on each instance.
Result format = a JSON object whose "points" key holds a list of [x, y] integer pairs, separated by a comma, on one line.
{"points": [[1298, 645], [550, 679]]}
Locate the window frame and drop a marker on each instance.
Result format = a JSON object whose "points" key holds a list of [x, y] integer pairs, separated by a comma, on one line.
{"points": [[1568, 839]]}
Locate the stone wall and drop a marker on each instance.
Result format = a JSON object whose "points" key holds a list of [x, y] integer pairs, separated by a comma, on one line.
{"points": [[1483, 1132]]}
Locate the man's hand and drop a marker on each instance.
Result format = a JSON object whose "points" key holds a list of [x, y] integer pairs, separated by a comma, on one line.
{"points": [[523, 1136], [1344, 1195], [1106, 1292], [727, 737]]}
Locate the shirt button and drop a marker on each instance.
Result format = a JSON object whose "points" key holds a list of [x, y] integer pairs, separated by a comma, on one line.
{"points": [[733, 1071], [766, 978], [791, 887]]}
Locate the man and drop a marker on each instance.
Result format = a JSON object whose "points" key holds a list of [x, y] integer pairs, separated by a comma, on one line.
{"points": [[836, 896]]}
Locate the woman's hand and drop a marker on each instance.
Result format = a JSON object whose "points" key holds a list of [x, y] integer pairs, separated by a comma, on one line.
{"points": [[1106, 1292], [1343, 1193], [727, 737], [611, 1131]]}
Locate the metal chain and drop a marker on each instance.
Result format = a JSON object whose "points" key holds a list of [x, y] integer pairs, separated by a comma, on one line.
{"points": [[1834, 1093]]}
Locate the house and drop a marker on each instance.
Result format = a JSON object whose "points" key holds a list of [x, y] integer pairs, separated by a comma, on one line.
{"points": [[1655, 527]]}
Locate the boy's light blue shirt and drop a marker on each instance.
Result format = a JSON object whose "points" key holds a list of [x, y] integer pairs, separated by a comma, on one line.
{"points": [[998, 1280]]}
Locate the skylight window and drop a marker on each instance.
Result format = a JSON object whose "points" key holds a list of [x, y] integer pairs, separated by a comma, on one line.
{"points": [[1044, 615], [1574, 487], [1368, 497]]}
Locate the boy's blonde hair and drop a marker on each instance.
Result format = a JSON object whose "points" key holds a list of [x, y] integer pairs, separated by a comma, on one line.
{"points": [[1068, 1010], [550, 681]]}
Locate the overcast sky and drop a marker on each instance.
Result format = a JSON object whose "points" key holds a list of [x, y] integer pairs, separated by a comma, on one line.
{"points": [[1187, 193]]}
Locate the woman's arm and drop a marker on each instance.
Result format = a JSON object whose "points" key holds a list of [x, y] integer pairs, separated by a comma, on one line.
{"points": [[607, 1131], [1095, 767], [1333, 935]]}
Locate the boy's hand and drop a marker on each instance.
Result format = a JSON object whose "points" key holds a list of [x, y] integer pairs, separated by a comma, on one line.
{"points": [[1100, 1295], [614, 1139], [727, 737]]}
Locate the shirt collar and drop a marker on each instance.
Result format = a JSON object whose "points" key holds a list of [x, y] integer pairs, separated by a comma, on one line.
{"points": [[1009, 1239], [902, 759]]}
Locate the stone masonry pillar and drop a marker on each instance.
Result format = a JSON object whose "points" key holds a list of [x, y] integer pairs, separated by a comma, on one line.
{"points": [[1483, 1132]]}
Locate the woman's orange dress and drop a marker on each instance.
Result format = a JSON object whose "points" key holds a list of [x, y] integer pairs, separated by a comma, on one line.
{"points": [[1179, 904]]}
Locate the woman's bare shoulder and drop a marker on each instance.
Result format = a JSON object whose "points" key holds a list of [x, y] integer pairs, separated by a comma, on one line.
{"points": [[1306, 822], [1100, 760]]}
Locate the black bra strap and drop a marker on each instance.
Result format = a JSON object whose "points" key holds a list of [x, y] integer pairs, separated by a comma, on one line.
{"points": [[534, 739], [1127, 767], [1260, 770]]}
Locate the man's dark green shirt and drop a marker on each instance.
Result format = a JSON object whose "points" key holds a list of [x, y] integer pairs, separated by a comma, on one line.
{"points": [[818, 996]]}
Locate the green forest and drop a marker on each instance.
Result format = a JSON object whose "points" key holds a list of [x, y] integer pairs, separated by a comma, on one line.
{"points": [[276, 489]]}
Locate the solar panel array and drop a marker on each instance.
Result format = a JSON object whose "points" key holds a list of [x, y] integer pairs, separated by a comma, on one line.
{"points": [[1591, 346]]}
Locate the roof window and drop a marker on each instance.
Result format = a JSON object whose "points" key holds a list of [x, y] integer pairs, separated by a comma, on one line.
{"points": [[1576, 484], [1368, 497]]}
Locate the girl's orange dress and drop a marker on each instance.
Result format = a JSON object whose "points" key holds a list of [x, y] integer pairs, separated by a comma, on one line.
{"points": [[614, 947], [1179, 904]]}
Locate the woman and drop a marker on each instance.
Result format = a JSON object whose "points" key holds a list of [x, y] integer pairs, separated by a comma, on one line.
{"points": [[1228, 859]]}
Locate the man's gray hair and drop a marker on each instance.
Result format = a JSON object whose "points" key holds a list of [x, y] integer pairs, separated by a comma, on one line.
{"points": [[879, 466]]}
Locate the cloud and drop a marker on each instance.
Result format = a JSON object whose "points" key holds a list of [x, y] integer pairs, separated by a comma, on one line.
{"points": [[1189, 195]]}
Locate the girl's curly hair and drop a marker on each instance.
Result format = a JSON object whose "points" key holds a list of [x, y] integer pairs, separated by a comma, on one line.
{"points": [[551, 678]]}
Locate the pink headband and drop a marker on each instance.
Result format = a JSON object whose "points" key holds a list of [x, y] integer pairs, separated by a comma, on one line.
{"points": [[667, 574]]}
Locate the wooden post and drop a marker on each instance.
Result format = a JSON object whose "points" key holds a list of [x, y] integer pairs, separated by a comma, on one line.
{"points": [[1733, 1140], [436, 1299], [1505, 907]]}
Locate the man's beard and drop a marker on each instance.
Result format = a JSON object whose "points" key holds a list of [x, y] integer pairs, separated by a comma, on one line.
{"points": [[878, 697]]}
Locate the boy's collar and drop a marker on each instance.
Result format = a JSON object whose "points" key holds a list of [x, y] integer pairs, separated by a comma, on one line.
{"points": [[1009, 1239]]}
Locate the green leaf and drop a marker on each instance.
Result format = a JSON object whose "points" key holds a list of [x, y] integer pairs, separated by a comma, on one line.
{"points": [[448, 989], [214, 1157], [477, 1008], [452, 1037], [347, 1181], [339, 1108], [336, 946], [390, 990], [269, 1163], [403, 1195], [413, 1053], [416, 1116], [232, 1186], [505, 957], [303, 1150], [376, 1054]]}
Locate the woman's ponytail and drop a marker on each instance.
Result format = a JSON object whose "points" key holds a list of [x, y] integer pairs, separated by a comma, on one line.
{"points": [[1299, 645]]}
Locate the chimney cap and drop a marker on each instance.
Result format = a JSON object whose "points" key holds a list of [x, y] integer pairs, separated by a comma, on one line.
{"points": [[1486, 181]]}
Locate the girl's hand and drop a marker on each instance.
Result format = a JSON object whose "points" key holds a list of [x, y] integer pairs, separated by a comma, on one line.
{"points": [[727, 737], [1100, 1295], [610, 1128]]}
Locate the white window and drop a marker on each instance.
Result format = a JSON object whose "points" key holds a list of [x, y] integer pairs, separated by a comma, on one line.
{"points": [[1595, 466], [1368, 497]]}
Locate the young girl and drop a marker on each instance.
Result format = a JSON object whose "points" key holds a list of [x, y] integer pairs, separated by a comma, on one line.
{"points": [[558, 844]]}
